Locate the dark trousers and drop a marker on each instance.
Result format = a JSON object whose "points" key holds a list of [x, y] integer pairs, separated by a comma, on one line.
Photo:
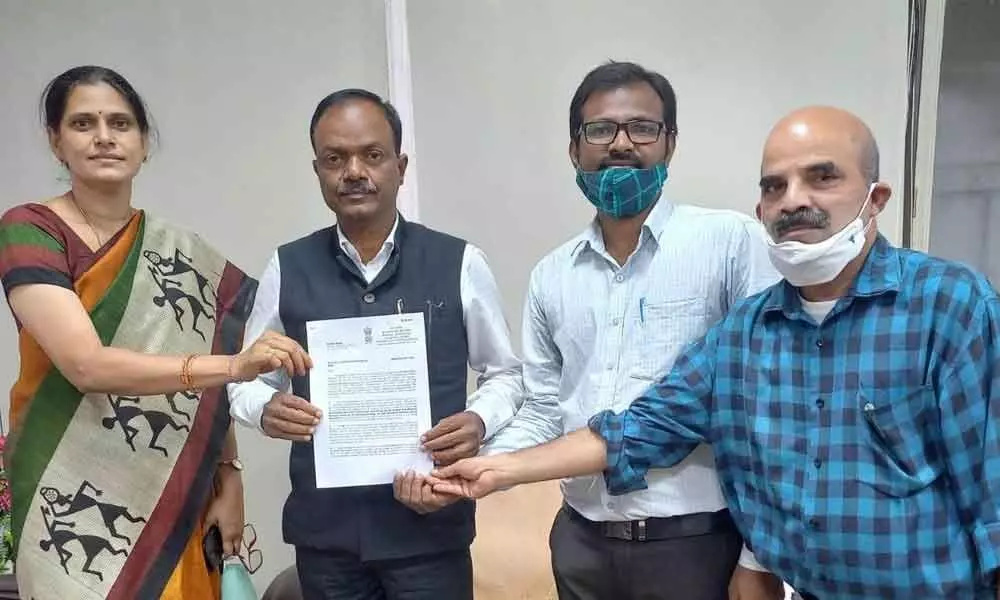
{"points": [[334, 575], [589, 566]]}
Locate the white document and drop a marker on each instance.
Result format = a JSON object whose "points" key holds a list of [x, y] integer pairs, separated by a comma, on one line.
{"points": [[369, 378]]}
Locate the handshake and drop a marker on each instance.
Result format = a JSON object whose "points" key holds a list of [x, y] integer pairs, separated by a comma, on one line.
{"points": [[474, 477], [581, 452], [453, 445]]}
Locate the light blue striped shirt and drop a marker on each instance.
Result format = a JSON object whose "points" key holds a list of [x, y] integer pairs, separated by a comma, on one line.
{"points": [[597, 334]]}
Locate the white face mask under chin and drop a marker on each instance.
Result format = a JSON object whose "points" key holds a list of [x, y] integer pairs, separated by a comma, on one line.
{"points": [[815, 264]]}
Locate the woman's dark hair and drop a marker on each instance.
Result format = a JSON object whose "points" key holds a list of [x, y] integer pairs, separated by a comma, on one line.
{"points": [[56, 94]]}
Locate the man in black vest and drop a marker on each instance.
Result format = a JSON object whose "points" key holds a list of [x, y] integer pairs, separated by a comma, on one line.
{"points": [[401, 541]]}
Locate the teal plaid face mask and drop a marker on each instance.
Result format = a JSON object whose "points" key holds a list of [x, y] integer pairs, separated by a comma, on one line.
{"points": [[622, 191]]}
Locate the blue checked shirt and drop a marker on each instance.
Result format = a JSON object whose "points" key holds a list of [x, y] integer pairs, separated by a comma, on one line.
{"points": [[860, 457]]}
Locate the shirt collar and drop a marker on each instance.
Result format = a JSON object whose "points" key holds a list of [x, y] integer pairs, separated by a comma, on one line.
{"points": [[387, 245], [879, 275], [652, 227]]}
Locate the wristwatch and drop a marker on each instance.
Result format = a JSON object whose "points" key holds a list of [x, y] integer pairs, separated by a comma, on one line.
{"points": [[234, 462]]}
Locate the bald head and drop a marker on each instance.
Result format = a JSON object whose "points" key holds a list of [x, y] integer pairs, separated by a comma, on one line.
{"points": [[817, 170], [829, 126]]}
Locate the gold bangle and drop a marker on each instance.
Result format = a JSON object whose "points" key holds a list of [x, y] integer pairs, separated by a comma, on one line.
{"points": [[187, 380], [184, 373]]}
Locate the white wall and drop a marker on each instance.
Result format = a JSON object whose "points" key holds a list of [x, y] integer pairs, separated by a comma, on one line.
{"points": [[232, 86], [492, 86], [493, 81], [965, 214]]}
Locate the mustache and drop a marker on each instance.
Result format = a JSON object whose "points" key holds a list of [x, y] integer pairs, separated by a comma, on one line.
{"points": [[801, 218], [621, 157], [361, 186]]}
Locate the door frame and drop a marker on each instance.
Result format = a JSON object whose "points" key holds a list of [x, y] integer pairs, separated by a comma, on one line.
{"points": [[926, 29]]}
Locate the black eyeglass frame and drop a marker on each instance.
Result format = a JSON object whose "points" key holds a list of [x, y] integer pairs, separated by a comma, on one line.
{"points": [[660, 128]]}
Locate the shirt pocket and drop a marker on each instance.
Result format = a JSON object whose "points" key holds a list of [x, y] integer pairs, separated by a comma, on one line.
{"points": [[442, 321], [899, 434], [439, 311], [665, 327]]}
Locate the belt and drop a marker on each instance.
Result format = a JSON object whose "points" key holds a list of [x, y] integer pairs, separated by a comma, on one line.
{"points": [[658, 528]]}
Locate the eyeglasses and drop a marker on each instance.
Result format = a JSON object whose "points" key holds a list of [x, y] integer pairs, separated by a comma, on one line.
{"points": [[639, 131], [254, 557]]}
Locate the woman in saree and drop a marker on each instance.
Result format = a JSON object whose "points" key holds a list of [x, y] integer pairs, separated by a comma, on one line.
{"points": [[122, 458]]}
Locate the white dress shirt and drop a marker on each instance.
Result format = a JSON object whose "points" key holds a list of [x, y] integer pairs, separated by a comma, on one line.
{"points": [[597, 334], [499, 392]]}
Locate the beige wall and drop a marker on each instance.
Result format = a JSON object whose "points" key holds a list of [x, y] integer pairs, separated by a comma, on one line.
{"points": [[492, 84], [232, 85]]}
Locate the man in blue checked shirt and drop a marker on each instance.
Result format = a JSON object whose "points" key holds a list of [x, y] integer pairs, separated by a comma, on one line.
{"points": [[852, 407]]}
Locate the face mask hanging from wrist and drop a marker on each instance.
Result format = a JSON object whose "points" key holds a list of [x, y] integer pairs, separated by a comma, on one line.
{"points": [[805, 264]]}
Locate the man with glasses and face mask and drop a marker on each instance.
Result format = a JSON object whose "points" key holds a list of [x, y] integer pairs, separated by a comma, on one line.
{"points": [[605, 316], [852, 407]]}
